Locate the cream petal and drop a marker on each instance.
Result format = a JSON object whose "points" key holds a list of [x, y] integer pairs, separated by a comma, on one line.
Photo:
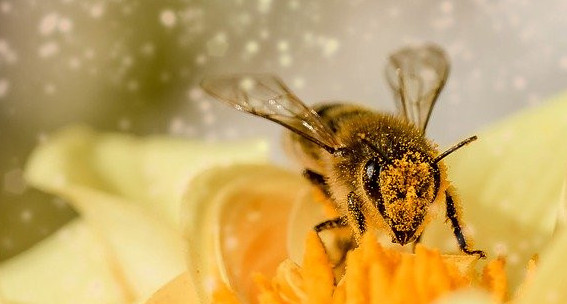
{"points": [[71, 266], [152, 171], [147, 252], [562, 212], [517, 167]]}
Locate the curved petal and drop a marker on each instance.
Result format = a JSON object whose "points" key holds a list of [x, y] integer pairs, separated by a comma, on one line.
{"points": [[235, 223]]}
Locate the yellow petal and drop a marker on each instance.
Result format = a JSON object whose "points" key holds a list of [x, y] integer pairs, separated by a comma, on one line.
{"points": [[317, 272], [495, 280]]}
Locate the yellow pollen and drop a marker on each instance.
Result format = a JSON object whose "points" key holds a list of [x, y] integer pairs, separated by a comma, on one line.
{"points": [[407, 188]]}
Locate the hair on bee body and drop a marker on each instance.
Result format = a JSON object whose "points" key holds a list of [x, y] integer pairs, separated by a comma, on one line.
{"points": [[378, 169]]}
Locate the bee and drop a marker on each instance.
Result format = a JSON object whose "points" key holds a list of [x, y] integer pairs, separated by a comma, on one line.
{"points": [[379, 169]]}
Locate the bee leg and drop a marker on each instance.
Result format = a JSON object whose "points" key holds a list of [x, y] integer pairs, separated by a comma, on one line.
{"points": [[354, 207], [337, 222], [338, 246], [318, 181], [354, 215], [452, 215]]}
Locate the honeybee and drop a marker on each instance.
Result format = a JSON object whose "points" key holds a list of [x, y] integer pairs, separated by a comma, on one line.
{"points": [[379, 169]]}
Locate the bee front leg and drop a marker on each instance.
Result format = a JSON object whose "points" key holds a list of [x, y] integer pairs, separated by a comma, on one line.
{"points": [[452, 215], [355, 214]]}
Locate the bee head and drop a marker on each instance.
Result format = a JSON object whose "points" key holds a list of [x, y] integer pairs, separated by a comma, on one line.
{"points": [[402, 189]]}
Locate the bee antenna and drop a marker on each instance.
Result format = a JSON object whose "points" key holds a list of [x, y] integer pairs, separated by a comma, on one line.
{"points": [[375, 149], [454, 148]]}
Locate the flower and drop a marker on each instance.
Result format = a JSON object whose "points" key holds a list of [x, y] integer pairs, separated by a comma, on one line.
{"points": [[129, 241], [510, 193]]}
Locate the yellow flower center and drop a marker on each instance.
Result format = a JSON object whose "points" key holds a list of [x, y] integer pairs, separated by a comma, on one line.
{"points": [[374, 275]]}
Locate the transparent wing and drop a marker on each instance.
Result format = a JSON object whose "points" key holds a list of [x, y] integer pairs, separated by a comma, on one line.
{"points": [[417, 76], [266, 96]]}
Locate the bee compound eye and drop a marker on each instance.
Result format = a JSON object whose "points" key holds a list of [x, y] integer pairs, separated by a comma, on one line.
{"points": [[371, 175], [371, 169]]}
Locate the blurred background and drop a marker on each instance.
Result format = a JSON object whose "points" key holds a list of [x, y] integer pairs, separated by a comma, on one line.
{"points": [[134, 66]]}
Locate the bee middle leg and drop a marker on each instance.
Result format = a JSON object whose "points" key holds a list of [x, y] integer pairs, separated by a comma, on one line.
{"points": [[337, 248], [452, 216], [354, 208], [337, 222], [318, 181]]}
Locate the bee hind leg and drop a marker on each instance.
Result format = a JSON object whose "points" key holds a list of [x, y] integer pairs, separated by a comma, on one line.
{"points": [[452, 216]]}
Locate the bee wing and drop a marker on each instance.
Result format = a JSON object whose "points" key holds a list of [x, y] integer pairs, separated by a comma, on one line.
{"points": [[417, 76], [267, 96]]}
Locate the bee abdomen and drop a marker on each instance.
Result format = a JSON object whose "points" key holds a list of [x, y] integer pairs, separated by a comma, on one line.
{"points": [[334, 114]]}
